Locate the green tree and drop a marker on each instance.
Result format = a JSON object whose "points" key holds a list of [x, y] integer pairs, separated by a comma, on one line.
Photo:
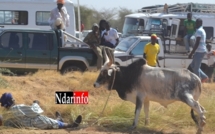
{"points": [[89, 16], [86, 15], [122, 12]]}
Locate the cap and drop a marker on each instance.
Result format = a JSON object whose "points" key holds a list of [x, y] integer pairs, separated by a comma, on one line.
{"points": [[6, 100], [95, 25], [60, 2], [153, 36]]}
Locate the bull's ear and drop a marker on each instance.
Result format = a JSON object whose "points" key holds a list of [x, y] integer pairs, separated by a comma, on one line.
{"points": [[110, 72]]}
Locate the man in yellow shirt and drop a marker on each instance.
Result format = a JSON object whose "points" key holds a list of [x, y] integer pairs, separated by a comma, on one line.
{"points": [[151, 52]]}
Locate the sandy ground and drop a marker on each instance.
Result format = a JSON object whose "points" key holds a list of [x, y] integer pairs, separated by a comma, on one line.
{"points": [[18, 131], [95, 130], [31, 84]]}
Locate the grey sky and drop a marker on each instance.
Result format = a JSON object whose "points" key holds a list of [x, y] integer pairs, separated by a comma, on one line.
{"points": [[132, 4]]}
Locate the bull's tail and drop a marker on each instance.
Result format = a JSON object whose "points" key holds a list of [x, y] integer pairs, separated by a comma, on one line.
{"points": [[193, 116]]}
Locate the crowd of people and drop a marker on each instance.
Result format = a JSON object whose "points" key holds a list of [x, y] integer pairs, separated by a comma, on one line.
{"points": [[195, 37], [103, 35]]}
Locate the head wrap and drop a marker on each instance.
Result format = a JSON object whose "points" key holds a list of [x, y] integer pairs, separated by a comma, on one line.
{"points": [[95, 25], [6, 100], [60, 2], [153, 36]]}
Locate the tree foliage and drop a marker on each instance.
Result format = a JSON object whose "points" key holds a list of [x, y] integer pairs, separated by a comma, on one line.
{"points": [[115, 16]]}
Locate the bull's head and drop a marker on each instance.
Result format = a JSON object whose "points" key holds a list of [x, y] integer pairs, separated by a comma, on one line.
{"points": [[105, 76]]}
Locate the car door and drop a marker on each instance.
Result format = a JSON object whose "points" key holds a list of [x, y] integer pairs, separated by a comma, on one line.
{"points": [[176, 60], [12, 53], [174, 28], [137, 51], [38, 50]]}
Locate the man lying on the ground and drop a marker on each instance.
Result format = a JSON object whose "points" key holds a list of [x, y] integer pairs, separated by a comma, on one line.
{"points": [[23, 116]]}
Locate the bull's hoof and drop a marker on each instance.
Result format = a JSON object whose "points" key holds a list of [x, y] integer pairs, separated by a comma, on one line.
{"points": [[202, 124], [199, 131], [147, 122], [132, 128]]}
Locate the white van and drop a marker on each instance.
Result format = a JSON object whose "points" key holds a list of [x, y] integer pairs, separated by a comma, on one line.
{"points": [[32, 14], [153, 19]]}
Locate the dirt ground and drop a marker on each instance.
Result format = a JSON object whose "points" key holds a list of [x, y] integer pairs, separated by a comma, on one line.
{"points": [[34, 86], [61, 131], [95, 130]]}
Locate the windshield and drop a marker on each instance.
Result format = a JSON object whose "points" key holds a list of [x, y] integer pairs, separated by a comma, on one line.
{"points": [[130, 26], [153, 23], [125, 44]]}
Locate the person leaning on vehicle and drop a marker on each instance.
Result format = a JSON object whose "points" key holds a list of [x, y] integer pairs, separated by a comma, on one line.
{"points": [[190, 27], [59, 12], [93, 40], [109, 36], [151, 51], [20, 115]]}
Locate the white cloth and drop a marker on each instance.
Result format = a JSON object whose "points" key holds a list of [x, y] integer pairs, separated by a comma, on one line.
{"points": [[111, 36], [29, 116], [200, 32], [211, 57], [56, 14]]}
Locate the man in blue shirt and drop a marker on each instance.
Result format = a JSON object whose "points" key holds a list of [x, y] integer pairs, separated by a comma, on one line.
{"points": [[199, 51]]}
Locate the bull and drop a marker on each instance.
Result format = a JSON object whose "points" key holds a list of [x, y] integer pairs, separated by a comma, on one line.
{"points": [[139, 83]]}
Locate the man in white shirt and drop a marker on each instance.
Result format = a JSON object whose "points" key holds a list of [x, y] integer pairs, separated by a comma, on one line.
{"points": [[60, 12], [110, 36], [199, 51]]}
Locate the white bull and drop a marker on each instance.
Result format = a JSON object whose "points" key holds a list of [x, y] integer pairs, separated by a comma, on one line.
{"points": [[140, 83]]}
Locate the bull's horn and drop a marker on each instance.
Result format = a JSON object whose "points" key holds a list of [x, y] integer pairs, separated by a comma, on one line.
{"points": [[110, 57], [107, 60]]}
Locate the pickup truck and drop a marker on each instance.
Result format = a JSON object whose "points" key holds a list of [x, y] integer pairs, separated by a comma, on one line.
{"points": [[23, 50], [131, 48]]}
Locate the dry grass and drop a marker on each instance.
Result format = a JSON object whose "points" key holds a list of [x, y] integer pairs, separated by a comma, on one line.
{"points": [[118, 115]]}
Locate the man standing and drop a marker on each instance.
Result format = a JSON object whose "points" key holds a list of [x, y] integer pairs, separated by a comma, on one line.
{"points": [[93, 40], [166, 8], [59, 12], [199, 51], [110, 36], [189, 31], [151, 52]]}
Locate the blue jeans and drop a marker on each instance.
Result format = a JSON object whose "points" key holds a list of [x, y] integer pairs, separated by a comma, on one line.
{"points": [[187, 41], [196, 64]]}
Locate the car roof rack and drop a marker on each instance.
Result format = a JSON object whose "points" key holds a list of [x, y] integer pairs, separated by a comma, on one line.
{"points": [[181, 7]]}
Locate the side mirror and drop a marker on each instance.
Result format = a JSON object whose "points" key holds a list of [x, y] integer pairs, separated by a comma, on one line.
{"points": [[131, 54]]}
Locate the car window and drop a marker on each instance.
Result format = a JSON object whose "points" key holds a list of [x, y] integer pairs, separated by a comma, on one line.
{"points": [[125, 44], [38, 41], [42, 18], [11, 40], [139, 48]]}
